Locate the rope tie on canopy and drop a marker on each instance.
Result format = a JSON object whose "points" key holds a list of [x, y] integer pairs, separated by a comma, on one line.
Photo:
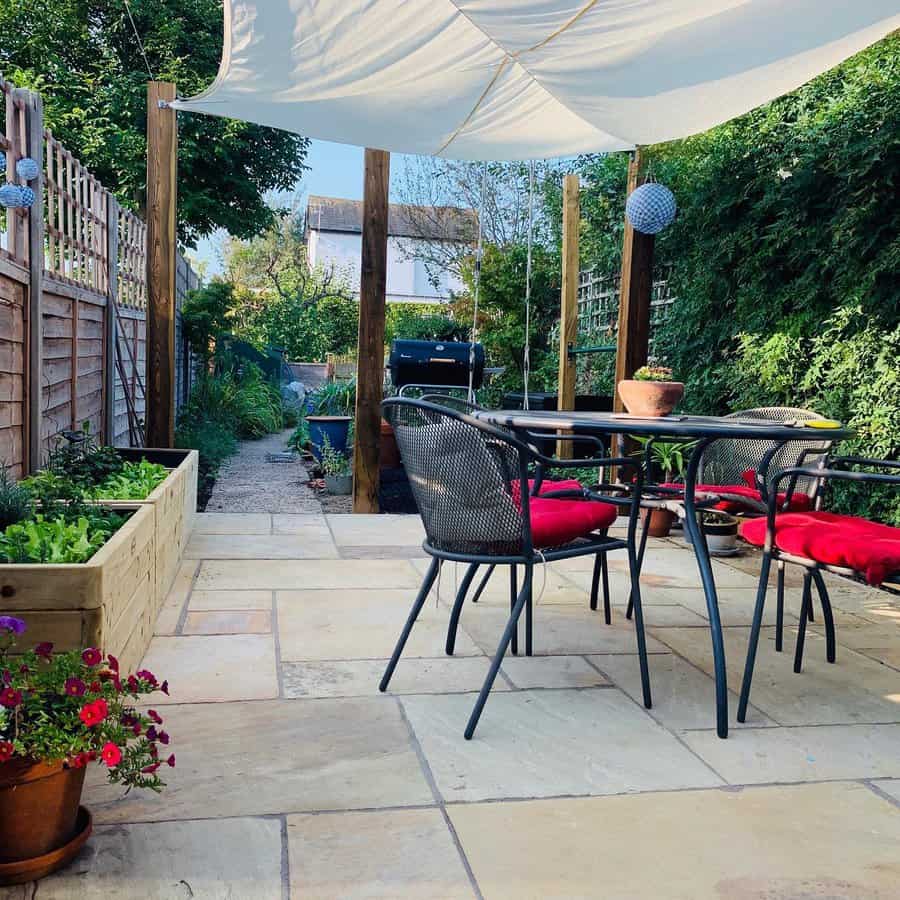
{"points": [[512, 57], [478, 255]]}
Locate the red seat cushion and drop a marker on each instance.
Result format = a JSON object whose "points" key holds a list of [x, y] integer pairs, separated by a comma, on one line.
{"points": [[548, 485], [557, 522], [831, 539], [799, 502]]}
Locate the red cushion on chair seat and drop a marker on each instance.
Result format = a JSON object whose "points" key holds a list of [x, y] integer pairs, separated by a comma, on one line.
{"points": [[799, 502], [557, 522], [547, 485], [831, 539]]}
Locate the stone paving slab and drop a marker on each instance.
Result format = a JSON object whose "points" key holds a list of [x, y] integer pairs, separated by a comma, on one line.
{"points": [[308, 574], [542, 743], [406, 853], [854, 689], [240, 621], [377, 530], [827, 752], [277, 756], [360, 677], [233, 523], [261, 546], [836, 841], [683, 695], [170, 613], [552, 672], [231, 859], [360, 624], [558, 630], [206, 600], [214, 668]]}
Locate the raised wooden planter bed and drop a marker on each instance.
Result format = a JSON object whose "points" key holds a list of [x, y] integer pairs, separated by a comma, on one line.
{"points": [[174, 505], [110, 601]]}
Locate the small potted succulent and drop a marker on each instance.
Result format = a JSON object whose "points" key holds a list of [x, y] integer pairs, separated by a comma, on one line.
{"points": [[651, 392], [720, 529], [59, 713], [336, 467]]}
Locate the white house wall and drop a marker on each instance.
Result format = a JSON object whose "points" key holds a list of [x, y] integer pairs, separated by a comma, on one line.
{"points": [[407, 278]]}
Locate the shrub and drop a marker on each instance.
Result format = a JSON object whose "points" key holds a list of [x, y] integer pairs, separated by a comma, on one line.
{"points": [[15, 501]]}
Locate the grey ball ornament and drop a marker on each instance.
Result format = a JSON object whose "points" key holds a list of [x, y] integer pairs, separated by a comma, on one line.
{"points": [[27, 168], [650, 208], [11, 196]]}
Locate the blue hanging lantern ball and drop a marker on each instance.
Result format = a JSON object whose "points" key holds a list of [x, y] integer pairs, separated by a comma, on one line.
{"points": [[2, 163], [11, 196], [27, 168], [27, 195], [650, 208]]}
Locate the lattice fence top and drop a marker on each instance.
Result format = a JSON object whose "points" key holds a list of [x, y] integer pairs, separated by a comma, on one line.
{"points": [[13, 223], [132, 260], [77, 206]]}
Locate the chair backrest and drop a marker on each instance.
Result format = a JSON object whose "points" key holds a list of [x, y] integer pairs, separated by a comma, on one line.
{"points": [[726, 461], [450, 402], [465, 477]]}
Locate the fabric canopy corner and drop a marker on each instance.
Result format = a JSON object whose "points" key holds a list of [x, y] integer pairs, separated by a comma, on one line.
{"points": [[523, 79]]}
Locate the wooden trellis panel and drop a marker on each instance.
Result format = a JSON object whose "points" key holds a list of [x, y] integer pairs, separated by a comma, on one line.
{"points": [[132, 261]]}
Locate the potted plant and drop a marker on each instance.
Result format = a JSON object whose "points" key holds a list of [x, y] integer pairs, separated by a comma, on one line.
{"points": [[720, 529], [670, 459], [336, 466], [59, 713], [331, 415], [650, 392]]}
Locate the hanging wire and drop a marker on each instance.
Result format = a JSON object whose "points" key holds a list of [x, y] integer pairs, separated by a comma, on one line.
{"points": [[526, 355], [140, 43], [479, 252]]}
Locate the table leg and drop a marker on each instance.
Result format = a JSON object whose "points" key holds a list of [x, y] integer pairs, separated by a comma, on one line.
{"points": [[709, 587]]}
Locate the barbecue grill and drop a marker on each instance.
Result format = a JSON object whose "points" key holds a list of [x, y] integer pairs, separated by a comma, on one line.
{"points": [[435, 363]]}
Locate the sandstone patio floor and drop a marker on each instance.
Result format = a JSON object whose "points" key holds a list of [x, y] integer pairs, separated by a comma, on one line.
{"points": [[297, 779]]}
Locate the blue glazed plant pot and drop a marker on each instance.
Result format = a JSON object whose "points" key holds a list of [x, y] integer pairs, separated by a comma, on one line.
{"points": [[335, 428]]}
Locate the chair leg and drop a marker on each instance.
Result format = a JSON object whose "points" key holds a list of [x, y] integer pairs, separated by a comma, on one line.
{"points": [[635, 572], [430, 577], [779, 608], [804, 615], [640, 563], [754, 636], [595, 580], [529, 610], [827, 615], [607, 609], [487, 577], [505, 639], [513, 595], [457, 607]]}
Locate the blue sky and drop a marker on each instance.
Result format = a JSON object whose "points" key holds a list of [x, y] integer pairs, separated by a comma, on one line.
{"points": [[335, 170]]}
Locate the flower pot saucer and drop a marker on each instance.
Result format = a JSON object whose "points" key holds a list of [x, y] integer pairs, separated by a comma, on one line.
{"points": [[38, 866]]}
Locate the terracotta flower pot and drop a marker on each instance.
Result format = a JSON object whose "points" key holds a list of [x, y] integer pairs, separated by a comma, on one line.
{"points": [[38, 809], [658, 522], [650, 398], [388, 451]]}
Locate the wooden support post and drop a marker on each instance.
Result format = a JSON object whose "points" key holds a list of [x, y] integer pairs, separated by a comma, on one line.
{"points": [[370, 355], [110, 326], [161, 254], [34, 144], [634, 293], [568, 317]]}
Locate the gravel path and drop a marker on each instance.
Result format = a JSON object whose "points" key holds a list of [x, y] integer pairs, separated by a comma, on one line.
{"points": [[251, 482]]}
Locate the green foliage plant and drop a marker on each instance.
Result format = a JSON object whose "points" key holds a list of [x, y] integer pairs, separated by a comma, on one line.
{"points": [[671, 457], [333, 462], [653, 373], [15, 501], [136, 481]]}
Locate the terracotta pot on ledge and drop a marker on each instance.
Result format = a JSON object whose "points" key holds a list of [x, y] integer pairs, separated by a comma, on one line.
{"points": [[651, 399]]}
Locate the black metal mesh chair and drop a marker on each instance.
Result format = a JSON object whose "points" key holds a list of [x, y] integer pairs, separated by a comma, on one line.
{"points": [[470, 482]]}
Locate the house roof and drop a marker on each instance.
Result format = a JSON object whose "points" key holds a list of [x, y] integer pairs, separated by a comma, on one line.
{"points": [[442, 223]]}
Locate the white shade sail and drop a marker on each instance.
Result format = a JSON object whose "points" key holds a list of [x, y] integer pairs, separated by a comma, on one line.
{"points": [[523, 79]]}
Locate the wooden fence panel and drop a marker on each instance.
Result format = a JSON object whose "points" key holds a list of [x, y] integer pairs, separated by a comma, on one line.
{"points": [[13, 294]]}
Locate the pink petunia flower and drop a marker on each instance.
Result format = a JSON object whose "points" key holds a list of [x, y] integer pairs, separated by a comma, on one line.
{"points": [[91, 656], [111, 754], [10, 698], [155, 716], [171, 761], [74, 687], [44, 649], [6, 751]]}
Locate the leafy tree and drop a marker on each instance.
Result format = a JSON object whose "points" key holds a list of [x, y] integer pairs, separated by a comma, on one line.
{"points": [[83, 57], [280, 300]]}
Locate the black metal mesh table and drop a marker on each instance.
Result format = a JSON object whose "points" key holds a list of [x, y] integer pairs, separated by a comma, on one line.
{"points": [[703, 429]]}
